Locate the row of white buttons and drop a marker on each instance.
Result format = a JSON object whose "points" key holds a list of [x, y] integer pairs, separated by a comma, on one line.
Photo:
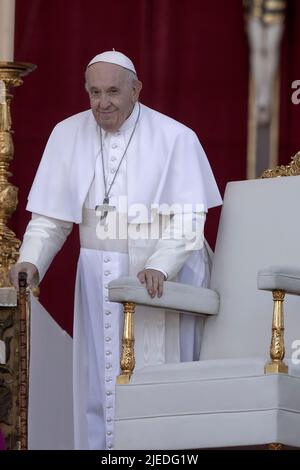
{"points": [[108, 367], [114, 158]]}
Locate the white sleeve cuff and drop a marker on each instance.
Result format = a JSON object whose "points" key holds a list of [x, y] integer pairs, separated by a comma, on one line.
{"points": [[158, 269]]}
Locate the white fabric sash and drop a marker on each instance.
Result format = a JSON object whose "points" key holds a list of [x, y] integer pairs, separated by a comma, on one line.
{"points": [[89, 239]]}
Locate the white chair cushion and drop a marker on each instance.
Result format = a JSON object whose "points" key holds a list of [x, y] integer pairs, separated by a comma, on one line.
{"points": [[176, 296], [279, 277]]}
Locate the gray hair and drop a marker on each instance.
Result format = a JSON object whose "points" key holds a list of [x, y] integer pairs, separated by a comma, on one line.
{"points": [[131, 75]]}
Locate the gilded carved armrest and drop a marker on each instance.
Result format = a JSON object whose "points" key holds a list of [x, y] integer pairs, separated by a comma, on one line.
{"points": [[177, 296]]}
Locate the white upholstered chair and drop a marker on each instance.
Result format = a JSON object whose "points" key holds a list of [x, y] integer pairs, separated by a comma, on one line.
{"points": [[230, 397]]}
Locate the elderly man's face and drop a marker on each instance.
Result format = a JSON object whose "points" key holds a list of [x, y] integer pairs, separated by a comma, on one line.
{"points": [[112, 94]]}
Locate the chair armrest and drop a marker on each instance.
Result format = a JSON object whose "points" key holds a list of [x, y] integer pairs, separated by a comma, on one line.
{"points": [[176, 296], [284, 278]]}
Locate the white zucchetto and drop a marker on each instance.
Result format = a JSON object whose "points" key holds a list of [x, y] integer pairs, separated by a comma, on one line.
{"points": [[114, 57]]}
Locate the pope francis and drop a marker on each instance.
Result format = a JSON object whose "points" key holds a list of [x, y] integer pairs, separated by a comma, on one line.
{"points": [[139, 185]]}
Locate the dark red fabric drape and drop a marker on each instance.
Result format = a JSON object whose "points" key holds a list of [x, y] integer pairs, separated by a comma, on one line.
{"points": [[191, 56]]}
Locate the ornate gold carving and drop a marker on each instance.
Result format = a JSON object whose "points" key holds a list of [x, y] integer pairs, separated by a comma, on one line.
{"points": [[267, 11], [5, 118], [5, 402], [127, 360], [23, 362], [275, 446], [9, 413], [277, 349], [10, 76], [292, 169], [127, 357]]}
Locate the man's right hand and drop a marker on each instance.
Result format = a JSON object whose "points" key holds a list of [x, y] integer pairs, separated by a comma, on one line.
{"points": [[24, 267]]}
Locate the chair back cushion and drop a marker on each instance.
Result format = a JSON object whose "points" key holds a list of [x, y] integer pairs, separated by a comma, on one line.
{"points": [[259, 227]]}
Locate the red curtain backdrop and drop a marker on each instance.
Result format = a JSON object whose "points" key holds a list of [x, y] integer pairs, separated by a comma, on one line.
{"points": [[192, 57]]}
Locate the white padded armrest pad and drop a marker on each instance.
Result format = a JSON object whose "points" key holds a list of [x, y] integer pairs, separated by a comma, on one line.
{"points": [[176, 296], [284, 278]]}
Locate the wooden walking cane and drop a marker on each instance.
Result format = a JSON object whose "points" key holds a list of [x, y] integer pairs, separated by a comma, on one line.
{"points": [[23, 363]]}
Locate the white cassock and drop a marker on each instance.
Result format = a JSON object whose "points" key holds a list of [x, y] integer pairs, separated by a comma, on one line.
{"points": [[164, 165]]}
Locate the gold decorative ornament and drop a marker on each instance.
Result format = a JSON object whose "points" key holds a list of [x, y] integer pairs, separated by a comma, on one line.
{"points": [[267, 11], [11, 74], [275, 446], [23, 304], [13, 379], [127, 357], [292, 169], [277, 350], [9, 387]]}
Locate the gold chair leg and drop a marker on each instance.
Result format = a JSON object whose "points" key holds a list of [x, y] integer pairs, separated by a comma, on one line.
{"points": [[127, 357], [277, 350]]}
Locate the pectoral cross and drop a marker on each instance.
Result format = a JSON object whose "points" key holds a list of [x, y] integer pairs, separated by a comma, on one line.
{"points": [[105, 208]]}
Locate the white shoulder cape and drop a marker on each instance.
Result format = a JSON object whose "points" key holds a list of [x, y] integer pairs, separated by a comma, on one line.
{"points": [[166, 164]]}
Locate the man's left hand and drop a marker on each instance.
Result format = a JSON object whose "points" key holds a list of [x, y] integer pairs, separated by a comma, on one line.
{"points": [[154, 281]]}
